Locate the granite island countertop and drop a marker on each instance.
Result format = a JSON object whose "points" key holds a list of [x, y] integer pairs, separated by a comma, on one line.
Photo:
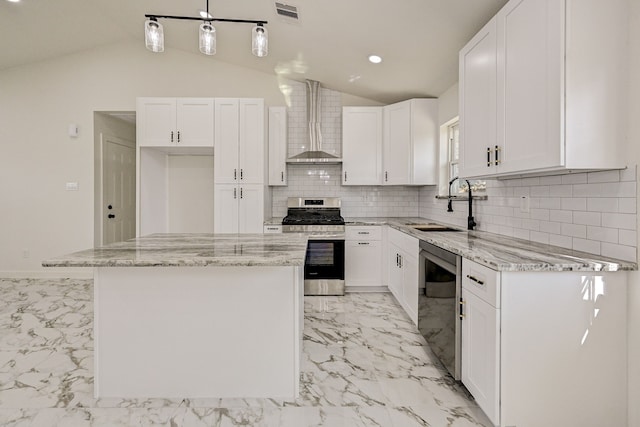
{"points": [[193, 250], [501, 253]]}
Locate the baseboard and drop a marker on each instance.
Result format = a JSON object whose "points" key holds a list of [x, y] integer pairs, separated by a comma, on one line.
{"points": [[54, 273], [348, 289]]}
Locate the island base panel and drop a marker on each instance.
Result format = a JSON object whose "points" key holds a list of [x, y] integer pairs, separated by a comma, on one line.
{"points": [[198, 331]]}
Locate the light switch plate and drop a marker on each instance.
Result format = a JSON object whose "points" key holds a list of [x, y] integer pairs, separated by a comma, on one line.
{"points": [[71, 186], [524, 204]]}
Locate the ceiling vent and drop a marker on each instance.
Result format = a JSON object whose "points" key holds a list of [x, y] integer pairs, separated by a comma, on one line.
{"points": [[288, 12]]}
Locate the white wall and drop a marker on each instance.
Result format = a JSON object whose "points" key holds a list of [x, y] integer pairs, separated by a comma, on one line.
{"points": [[634, 153]]}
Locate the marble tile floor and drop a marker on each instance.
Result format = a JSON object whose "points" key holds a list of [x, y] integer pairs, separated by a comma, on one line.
{"points": [[364, 364]]}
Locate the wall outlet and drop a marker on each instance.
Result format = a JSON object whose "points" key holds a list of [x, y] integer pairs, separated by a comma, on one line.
{"points": [[524, 204]]}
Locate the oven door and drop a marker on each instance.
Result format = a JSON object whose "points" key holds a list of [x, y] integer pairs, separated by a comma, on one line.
{"points": [[324, 267]]}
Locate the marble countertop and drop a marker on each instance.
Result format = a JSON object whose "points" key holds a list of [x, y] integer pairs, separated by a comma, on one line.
{"points": [[193, 250], [499, 252]]}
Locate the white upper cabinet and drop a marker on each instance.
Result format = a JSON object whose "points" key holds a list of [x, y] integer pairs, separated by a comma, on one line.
{"points": [[542, 89], [239, 136], [277, 146], [410, 142], [361, 145], [175, 122]]}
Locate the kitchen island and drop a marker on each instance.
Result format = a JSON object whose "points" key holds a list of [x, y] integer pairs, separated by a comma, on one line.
{"points": [[197, 315]]}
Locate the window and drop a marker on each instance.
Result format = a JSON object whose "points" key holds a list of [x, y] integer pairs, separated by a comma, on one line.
{"points": [[453, 148]]}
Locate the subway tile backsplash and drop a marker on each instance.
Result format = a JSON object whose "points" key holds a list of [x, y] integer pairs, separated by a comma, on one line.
{"points": [[593, 212]]}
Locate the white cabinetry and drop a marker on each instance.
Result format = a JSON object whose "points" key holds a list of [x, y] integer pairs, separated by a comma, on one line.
{"points": [[402, 258], [363, 256], [527, 98], [239, 166], [523, 331], [481, 336], [239, 136], [361, 145], [239, 208], [410, 142], [174, 122], [174, 170], [277, 146]]}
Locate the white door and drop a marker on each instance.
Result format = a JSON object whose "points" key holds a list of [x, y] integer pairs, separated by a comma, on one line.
{"points": [[277, 146], [226, 168], [361, 145], [119, 190], [530, 61], [478, 94], [194, 125], [251, 210], [225, 208], [156, 120], [251, 141], [480, 353], [397, 139]]}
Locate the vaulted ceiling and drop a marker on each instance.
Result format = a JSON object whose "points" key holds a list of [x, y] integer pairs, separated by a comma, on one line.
{"points": [[418, 40]]}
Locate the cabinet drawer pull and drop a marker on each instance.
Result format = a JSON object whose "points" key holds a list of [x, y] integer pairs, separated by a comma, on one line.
{"points": [[363, 243], [235, 193], [386, 176], [171, 136], [235, 174], [497, 155], [461, 309], [488, 156], [241, 192], [178, 136], [363, 232], [345, 176], [241, 172], [281, 176], [479, 282]]}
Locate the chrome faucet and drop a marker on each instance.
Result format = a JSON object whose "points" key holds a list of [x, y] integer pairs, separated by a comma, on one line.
{"points": [[471, 223]]}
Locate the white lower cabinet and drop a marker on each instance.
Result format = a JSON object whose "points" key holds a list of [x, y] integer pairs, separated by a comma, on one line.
{"points": [[402, 260], [481, 337], [238, 208], [545, 348], [363, 256]]}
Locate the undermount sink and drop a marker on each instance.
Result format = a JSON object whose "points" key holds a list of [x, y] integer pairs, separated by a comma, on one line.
{"points": [[433, 227]]}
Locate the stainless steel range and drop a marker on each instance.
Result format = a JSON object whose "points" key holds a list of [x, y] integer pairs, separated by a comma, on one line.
{"points": [[324, 263]]}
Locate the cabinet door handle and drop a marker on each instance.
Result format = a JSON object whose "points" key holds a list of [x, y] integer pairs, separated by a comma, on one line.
{"points": [[272, 228], [235, 174], [345, 176], [400, 260], [478, 281], [281, 176], [397, 260], [178, 136], [363, 243], [461, 308], [241, 178], [488, 157], [497, 155], [171, 136], [241, 192], [386, 176], [235, 193]]}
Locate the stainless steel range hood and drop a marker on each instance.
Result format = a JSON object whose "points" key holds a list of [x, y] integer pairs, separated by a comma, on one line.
{"points": [[315, 154]]}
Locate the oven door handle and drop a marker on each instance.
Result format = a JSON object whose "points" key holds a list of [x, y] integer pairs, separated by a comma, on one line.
{"points": [[439, 261]]}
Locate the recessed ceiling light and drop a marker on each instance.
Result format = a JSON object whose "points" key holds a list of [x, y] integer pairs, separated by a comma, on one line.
{"points": [[14, 1], [204, 14], [375, 59]]}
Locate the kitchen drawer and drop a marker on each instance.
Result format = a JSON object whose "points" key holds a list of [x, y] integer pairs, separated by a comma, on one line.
{"points": [[481, 281], [272, 229], [363, 232]]}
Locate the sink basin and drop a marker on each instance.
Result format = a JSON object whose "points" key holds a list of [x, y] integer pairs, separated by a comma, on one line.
{"points": [[433, 227]]}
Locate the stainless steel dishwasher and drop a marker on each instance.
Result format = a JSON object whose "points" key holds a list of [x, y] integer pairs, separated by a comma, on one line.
{"points": [[439, 293]]}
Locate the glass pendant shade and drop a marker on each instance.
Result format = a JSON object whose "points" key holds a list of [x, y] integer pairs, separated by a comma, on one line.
{"points": [[154, 36], [259, 41], [207, 39]]}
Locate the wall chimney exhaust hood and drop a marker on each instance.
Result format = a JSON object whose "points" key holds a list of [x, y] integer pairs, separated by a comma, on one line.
{"points": [[315, 154]]}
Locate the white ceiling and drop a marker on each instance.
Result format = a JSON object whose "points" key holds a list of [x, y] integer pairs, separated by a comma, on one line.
{"points": [[418, 40]]}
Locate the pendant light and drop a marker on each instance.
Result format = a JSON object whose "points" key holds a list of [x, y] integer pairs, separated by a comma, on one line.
{"points": [[259, 41], [207, 38], [154, 35]]}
